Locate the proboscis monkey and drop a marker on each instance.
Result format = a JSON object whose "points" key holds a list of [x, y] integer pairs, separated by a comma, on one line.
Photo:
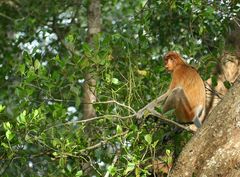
{"points": [[186, 93]]}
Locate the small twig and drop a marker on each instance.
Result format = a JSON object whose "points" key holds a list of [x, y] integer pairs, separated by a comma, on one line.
{"points": [[99, 117], [212, 90], [5, 166], [113, 162], [91, 119], [143, 8], [155, 113], [102, 142], [58, 100], [236, 21], [90, 162], [7, 17], [115, 102]]}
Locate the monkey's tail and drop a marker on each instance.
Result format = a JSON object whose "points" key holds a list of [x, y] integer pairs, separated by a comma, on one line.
{"points": [[199, 116]]}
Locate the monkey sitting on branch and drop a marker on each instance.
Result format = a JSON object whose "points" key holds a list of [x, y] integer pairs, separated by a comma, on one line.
{"points": [[186, 93]]}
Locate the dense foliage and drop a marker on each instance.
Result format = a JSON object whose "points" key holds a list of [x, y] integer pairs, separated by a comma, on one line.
{"points": [[44, 56]]}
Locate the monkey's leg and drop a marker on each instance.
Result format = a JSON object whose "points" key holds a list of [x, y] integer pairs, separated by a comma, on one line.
{"points": [[178, 100], [175, 99]]}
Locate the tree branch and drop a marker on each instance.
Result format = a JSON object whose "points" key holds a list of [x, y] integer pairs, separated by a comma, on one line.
{"points": [[90, 119], [115, 102], [160, 116], [113, 162], [103, 142], [7, 17]]}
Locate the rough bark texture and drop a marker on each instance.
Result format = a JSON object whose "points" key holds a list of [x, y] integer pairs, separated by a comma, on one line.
{"points": [[89, 89], [89, 96], [227, 70], [215, 148]]}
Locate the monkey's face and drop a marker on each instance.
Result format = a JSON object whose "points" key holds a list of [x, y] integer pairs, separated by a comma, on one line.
{"points": [[169, 64]]}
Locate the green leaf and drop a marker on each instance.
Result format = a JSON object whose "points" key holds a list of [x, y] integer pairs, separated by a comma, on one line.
{"points": [[24, 113], [86, 50], [36, 64], [60, 61], [134, 127], [69, 167], [148, 138], [9, 135], [119, 129], [56, 142], [75, 90], [130, 167], [77, 101], [70, 38], [2, 108], [5, 145], [214, 81], [84, 63], [116, 36], [169, 160], [112, 170], [108, 78], [22, 117], [227, 85], [35, 114], [57, 58], [201, 29], [79, 173], [96, 59], [155, 144], [28, 138], [55, 154], [31, 76], [22, 69], [168, 152], [62, 162], [115, 81], [208, 13], [7, 125]]}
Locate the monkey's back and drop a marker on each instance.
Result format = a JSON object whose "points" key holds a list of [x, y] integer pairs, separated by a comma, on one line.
{"points": [[188, 78]]}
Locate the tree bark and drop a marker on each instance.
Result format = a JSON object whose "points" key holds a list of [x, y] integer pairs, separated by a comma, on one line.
{"points": [[89, 88], [215, 148], [227, 70]]}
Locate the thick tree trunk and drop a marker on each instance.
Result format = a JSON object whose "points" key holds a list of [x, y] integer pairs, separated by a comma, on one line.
{"points": [[89, 96], [227, 70], [89, 89], [215, 149]]}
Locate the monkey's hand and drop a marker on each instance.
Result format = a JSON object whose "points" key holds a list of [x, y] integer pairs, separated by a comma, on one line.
{"points": [[145, 110], [193, 128], [140, 113]]}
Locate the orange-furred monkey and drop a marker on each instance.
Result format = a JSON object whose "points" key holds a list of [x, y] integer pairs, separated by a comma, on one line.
{"points": [[186, 93]]}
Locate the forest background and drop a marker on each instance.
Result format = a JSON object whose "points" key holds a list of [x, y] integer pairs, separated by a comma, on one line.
{"points": [[73, 74]]}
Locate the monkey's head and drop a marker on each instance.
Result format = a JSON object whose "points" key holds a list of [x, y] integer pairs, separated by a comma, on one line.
{"points": [[171, 60]]}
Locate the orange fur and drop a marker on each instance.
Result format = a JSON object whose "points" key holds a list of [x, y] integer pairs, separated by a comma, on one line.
{"points": [[186, 77]]}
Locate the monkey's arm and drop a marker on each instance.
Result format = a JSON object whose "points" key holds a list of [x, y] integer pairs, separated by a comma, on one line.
{"points": [[150, 106]]}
